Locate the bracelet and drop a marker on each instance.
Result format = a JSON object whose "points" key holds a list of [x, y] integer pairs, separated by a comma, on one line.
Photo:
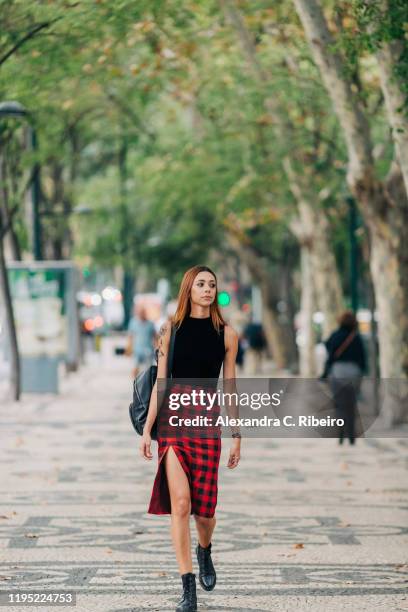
{"points": [[236, 435]]}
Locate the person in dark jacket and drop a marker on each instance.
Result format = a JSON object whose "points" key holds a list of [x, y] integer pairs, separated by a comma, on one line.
{"points": [[255, 336], [345, 366]]}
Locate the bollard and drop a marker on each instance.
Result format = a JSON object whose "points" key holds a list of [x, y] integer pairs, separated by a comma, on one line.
{"points": [[97, 343]]}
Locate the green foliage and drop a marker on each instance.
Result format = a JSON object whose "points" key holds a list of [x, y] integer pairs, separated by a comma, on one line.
{"points": [[168, 82], [365, 25]]}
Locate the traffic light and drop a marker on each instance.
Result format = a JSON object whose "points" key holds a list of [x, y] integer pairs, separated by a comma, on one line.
{"points": [[224, 298]]}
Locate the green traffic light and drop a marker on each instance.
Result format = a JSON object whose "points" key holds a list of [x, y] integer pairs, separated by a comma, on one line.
{"points": [[224, 298]]}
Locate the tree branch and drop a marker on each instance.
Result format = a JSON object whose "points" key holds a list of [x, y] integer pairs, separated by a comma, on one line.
{"points": [[388, 56], [131, 115], [331, 65], [28, 36], [4, 229]]}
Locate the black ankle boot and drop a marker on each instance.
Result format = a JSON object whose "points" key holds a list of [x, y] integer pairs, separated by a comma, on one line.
{"points": [[188, 602], [207, 575]]}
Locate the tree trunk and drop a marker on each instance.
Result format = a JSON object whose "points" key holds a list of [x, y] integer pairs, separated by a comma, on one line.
{"points": [[311, 228], [385, 270], [307, 344], [11, 328], [11, 236], [289, 314], [385, 217], [395, 102], [390, 272], [273, 331], [58, 243], [389, 53], [352, 119], [328, 289], [277, 337]]}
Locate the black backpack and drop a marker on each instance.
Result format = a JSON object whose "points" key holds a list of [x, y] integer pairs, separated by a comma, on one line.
{"points": [[142, 391]]}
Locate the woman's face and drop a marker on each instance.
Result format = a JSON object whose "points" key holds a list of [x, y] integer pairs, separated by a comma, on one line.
{"points": [[204, 289]]}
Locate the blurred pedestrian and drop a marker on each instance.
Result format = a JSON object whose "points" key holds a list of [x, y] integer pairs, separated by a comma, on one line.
{"points": [[141, 339], [254, 334], [345, 365], [240, 353]]}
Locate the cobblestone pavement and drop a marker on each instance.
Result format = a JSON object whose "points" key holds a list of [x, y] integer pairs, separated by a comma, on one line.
{"points": [[303, 524]]}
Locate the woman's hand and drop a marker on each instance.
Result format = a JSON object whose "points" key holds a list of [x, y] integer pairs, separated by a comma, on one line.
{"points": [[145, 446], [235, 453]]}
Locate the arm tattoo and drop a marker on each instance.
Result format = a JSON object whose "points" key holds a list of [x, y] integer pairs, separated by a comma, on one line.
{"points": [[163, 330], [162, 333]]}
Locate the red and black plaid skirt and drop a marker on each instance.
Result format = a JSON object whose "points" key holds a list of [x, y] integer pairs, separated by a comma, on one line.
{"points": [[198, 449]]}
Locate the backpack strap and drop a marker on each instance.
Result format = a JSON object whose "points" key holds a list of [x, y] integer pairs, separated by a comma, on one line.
{"points": [[344, 345], [171, 351]]}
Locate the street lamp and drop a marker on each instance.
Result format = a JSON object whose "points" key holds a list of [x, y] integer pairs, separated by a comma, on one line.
{"points": [[17, 110]]}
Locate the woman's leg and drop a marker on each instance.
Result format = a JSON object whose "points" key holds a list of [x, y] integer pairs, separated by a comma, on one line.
{"points": [[205, 527], [352, 413], [207, 575], [336, 390], [180, 498]]}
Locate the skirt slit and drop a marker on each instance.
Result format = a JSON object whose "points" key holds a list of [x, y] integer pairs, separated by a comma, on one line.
{"points": [[161, 501]]}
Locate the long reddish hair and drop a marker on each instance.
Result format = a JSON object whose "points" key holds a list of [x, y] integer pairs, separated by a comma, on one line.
{"points": [[184, 306]]}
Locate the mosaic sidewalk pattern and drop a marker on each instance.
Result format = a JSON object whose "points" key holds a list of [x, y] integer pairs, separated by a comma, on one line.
{"points": [[272, 578], [302, 524]]}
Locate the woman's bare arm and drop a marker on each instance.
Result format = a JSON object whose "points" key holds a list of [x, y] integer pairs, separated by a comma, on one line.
{"points": [[231, 349], [162, 360]]}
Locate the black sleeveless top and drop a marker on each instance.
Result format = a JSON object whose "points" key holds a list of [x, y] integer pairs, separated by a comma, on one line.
{"points": [[199, 349]]}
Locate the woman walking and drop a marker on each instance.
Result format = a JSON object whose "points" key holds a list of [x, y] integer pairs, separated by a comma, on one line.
{"points": [[345, 366], [187, 477]]}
